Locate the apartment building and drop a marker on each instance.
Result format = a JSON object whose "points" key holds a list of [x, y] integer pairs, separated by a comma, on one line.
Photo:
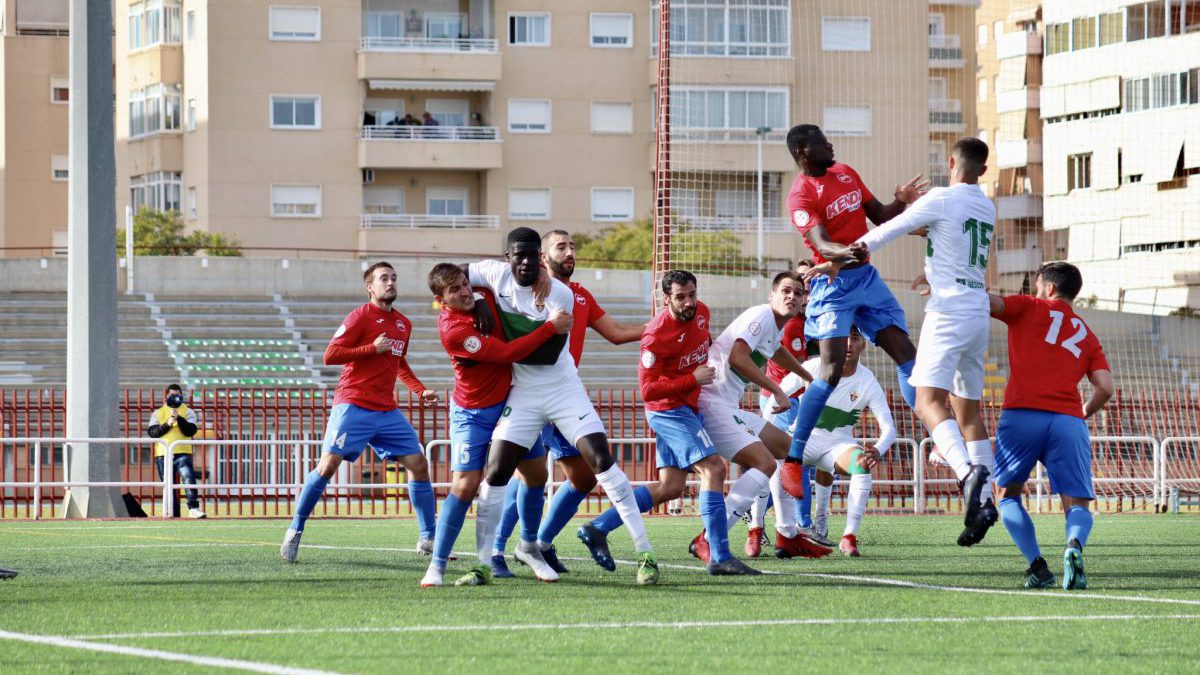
{"points": [[34, 98], [1121, 147], [952, 67]]}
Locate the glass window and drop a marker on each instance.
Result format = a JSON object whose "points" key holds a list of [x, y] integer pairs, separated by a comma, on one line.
{"points": [[295, 201], [1083, 33], [295, 112], [733, 28], [295, 23], [60, 90], [60, 166], [446, 201], [1112, 28], [529, 115], [529, 29], [611, 30]]}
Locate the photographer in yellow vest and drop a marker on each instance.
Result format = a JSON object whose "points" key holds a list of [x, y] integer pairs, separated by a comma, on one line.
{"points": [[174, 421]]}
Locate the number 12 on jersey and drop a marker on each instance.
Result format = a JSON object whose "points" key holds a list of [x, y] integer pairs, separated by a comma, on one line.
{"points": [[981, 239], [1071, 344]]}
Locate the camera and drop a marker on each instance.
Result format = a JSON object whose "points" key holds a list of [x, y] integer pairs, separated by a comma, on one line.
{"points": [[174, 401]]}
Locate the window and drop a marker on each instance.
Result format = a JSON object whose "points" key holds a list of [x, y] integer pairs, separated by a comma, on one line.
{"points": [[385, 24], [1160, 91], [191, 203], [1083, 33], [295, 201], [847, 120], [1079, 171], [612, 118], [982, 38], [529, 115], [443, 25], [612, 30], [295, 23], [60, 90], [379, 200], [159, 191], [154, 22], [734, 204], [191, 114], [154, 109], [612, 204], [1058, 38], [1112, 28], [846, 34], [446, 201], [295, 112], [529, 30], [1147, 20], [383, 112], [983, 89], [190, 25], [60, 167], [448, 112], [732, 28], [729, 108], [529, 203]]}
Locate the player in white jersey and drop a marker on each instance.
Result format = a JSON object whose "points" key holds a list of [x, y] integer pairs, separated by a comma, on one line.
{"points": [[546, 390], [743, 437], [832, 447], [948, 373]]}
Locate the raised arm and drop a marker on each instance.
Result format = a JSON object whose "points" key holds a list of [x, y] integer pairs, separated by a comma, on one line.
{"points": [[788, 362], [925, 212], [904, 195], [616, 332]]}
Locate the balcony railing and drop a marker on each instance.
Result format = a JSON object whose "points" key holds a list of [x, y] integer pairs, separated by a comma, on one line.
{"points": [[1018, 260], [696, 135], [945, 113], [423, 44], [1021, 43], [741, 224], [946, 50], [402, 132], [415, 220]]}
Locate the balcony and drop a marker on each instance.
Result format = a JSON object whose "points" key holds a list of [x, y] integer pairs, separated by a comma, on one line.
{"points": [[427, 220], [1011, 154], [696, 149], [422, 58], [1025, 98], [1018, 44], [739, 224], [1016, 207], [434, 147], [945, 51], [945, 116], [1018, 260]]}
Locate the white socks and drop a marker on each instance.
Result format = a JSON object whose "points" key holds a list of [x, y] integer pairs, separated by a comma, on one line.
{"points": [[489, 507], [949, 440], [785, 504], [856, 502], [743, 492], [758, 510], [820, 506], [620, 493], [980, 452]]}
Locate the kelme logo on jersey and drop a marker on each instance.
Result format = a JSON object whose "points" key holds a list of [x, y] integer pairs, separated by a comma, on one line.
{"points": [[472, 344]]}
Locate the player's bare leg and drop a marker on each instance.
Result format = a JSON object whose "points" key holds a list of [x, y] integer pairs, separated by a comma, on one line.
{"points": [[594, 448], [833, 360]]}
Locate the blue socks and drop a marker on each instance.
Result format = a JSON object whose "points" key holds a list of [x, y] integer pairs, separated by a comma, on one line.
{"points": [[909, 392], [811, 406], [1020, 528], [716, 528], [420, 493], [804, 506], [314, 487], [1079, 525], [563, 507], [508, 520], [529, 508], [610, 520], [450, 522]]}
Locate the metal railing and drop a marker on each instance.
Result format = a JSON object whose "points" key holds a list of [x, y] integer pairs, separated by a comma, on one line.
{"points": [[424, 44], [740, 224], [945, 48], [415, 220], [404, 132]]}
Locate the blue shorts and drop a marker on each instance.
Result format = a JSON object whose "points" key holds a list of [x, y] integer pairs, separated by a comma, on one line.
{"points": [[351, 428], [1060, 442], [781, 421], [471, 436], [556, 444], [857, 297], [681, 439]]}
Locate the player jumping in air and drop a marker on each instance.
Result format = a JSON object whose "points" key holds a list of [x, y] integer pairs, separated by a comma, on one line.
{"points": [[371, 342], [670, 374], [482, 377]]}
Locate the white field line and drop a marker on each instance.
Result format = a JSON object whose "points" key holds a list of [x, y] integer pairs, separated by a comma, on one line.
{"points": [[669, 625], [107, 546], [211, 661]]}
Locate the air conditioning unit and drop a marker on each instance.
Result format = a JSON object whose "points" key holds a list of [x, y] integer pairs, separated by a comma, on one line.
{"points": [[368, 176]]}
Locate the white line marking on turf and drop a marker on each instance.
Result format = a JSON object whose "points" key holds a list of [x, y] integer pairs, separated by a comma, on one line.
{"points": [[104, 546], [212, 661], [670, 625]]}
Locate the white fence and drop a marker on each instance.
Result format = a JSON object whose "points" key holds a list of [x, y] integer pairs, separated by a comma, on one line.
{"points": [[412, 132]]}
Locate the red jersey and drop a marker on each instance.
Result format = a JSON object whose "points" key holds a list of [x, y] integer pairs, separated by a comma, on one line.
{"points": [[671, 350], [792, 340], [369, 378], [1049, 351], [834, 200], [587, 313], [483, 363]]}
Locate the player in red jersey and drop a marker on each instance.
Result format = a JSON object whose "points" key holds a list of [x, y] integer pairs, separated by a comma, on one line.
{"points": [[1050, 350], [558, 255], [830, 205], [482, 377], [372, 342], [670, 373]]}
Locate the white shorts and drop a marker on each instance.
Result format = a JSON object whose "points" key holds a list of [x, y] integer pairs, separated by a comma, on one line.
{"points": [[950, 354], [530, 408], [731, 429], [823, 453]]}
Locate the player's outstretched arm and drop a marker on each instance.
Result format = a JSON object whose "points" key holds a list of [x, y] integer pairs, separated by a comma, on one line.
{"points": [[787, 361], [339, 353], [923, 214], [995, 305], [1102, 390], [471, 344], [904, 195], [883, 417], [740, 360], [829, 249], [616, 332]]}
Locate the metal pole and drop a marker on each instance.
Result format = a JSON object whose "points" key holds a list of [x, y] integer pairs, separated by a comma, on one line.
{"points": [[758, 206], [37, 480], [129, 250]]}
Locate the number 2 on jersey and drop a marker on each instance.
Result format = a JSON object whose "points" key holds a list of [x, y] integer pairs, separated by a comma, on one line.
{"points": [[1072, 343], [981, 238]]}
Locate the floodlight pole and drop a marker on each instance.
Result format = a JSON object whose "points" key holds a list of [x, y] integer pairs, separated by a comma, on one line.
{"points": [[92, 395], [761, 132]]}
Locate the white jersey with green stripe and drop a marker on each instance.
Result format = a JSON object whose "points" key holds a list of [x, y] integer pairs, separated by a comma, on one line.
{"points": [[843, 410], [521, 314], [758, 329]]}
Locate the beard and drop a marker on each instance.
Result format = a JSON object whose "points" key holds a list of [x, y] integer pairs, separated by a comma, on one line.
{"points": [[562, 268], [685, 315]]}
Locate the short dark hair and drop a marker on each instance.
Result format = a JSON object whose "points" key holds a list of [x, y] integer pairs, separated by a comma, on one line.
{"points": [[679, 278], [786, 274], [174, 386], [522, 235], [370, 271], [797, 137], [1065, 277], [807, 262], [973, 153], [551, 233], [442, 275]]}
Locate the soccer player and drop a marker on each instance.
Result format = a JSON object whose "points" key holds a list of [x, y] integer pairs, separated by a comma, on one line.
{"points": [[948, 374], [558, 255], [1050, 350], [371, 342], [671, 372], [832, 447], [546, 389], [743, 437], [482, 377], [829, 205]]}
